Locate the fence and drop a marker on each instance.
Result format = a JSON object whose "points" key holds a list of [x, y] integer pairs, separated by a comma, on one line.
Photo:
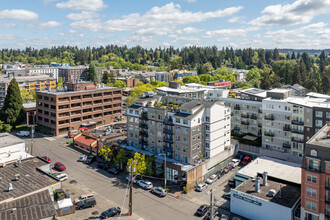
{"points": [[218, 167]]}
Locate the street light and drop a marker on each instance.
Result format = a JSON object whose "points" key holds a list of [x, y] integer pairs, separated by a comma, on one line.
{"points": [[164, 169]]}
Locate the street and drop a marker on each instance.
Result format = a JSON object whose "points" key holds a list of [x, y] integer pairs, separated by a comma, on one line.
{"points": [[145, 204]]}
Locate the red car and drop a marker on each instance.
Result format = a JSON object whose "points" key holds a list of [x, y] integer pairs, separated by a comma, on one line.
{"points": [[47, 159], [246, 160], [83, 128], [59, 166]]}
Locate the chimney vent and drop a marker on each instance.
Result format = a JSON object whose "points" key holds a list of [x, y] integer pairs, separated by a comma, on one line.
{"points": [[10, 187], [257, 184], [265, 178]]}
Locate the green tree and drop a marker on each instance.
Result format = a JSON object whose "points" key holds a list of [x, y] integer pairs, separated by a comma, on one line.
{"points": [[13, 111], [191, 79], [119, 83], [25, 95], [206, 78], [139, 163], [266, 81], [254, 73], [106, 153], [120, 158], [106, 77], [92, 73]]}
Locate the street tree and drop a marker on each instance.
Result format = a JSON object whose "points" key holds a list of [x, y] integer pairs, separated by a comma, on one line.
{"points": [[120, 158], [138, 162]]}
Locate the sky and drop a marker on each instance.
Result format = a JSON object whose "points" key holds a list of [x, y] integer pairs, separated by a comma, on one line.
{"points": [[297, 24]]}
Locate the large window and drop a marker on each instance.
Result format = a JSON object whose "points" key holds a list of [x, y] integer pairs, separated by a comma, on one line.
{"points": [[311, 192], [313, 165], [311, 178], [311, 205], [319, 114]]}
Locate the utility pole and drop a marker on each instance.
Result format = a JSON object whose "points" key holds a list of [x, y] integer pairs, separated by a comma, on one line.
{"points": [[211, 202], [164, 169], [131, 192]]}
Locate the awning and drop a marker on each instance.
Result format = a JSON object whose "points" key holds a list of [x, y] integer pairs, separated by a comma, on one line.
{"points": [[241, 179], [64, 203]]}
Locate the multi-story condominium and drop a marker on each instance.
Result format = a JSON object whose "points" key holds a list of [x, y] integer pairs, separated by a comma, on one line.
{"points": [[197, 129], [164, 76], [130, 82], [82, 104], [77, 73], [297, 90], [220, 83], [51, 71], [315, 177], [179, 75], [30, 83], [193, 91]]}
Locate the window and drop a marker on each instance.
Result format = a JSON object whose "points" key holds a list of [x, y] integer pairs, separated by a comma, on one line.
{"points": [[152, 115], [185, 140], [136, 112], [318, 123], [199, 120], [178, 129], [152, 132], [311, 205], [159, 125], [311, 192], [186, 130], [131, 127], [313, 164], [311, 178], [185, 121], [319, 114], [136, 120], [328, 165], [327, 114], [177, 147], [207, 119], [185, 149], [207, 127], [177, 138], [160, 117], [314, 152], [177, 120]]}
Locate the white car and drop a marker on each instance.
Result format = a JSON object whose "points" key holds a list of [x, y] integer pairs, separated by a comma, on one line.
{"points": [[23, 133], [83, 197], [61, 176], [128, 178], [82, 158], [200, 187], [145, 184], [212, 179], [234, 162]]}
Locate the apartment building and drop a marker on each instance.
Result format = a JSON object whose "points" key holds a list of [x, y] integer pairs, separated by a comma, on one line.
{"points": [[220, 83], [196, 129], [77, 73], [86, 105], [30, 83], [164, 76], [297, 90], [130, 82], [315, 178]]}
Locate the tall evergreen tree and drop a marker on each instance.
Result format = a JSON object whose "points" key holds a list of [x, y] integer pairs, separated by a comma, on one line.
{"points": [[293, 56], [12, 112], [92, 73]]}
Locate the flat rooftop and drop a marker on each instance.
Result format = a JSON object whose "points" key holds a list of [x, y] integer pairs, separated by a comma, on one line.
{"points": [[36, 206], [7, 140], [288, 196], [30, 179], [278, 90], [276, 168], [62, 92], [26, 78], [321, 138]]}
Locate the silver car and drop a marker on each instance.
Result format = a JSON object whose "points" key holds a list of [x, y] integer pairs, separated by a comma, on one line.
{"points": [[200, 187]]}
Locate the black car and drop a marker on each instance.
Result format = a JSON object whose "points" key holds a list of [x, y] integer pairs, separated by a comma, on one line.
{"points": [[232, 182], [110, 212], [208, 216], [113, 171], [90, 159], [103, 166], [87, 203], [201, 211]]}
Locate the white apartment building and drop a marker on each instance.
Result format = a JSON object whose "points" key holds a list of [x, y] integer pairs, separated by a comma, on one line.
{"points": [[51, 71]]}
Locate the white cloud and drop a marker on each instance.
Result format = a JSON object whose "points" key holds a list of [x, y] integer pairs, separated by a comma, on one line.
{"points": [[45, 25], [189, 30], [84, 15], [152, 31], [299, 12], [49, 1], [226, 33], [168, 16], [7, 26], [72, 31], [237, 19], [7, 37], [61, 34], [83, 5], [18, 14]]}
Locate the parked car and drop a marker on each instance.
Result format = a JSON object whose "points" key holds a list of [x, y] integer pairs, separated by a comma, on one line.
{"points": [[82, 158], [159, 191], [23, 133], [118, 141], [103, 166], [47, 159], [145, 184], [59, 166], [202, 210], [220, 173], [234, 162], [201, 186], [232, 182], [113, 171], [83, 129], [214, 214], [224, 217], [110, 212], [211, 179], [90, 159], [135, 179], [246, 160], [227, 168], [61, 176], [83, 197], [87, 203]]}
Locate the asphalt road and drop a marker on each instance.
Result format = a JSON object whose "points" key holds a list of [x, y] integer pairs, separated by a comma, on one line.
{"points": [[145, 204]]}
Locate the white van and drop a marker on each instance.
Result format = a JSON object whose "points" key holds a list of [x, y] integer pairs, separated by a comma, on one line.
{"points": [[23, 133]]}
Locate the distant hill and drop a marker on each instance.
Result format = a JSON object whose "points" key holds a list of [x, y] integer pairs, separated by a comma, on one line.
{"points": [[301, 51]]}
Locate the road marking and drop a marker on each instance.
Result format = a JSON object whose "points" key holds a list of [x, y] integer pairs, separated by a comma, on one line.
{"points": [[49, 138]]}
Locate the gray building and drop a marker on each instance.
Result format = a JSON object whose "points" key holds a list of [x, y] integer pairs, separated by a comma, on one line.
{"points": [[297, 90]]}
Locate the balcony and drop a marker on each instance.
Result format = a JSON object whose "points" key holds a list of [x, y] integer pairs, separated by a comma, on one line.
{"points": [[259, 111], [245, 116], [287, 145], [144, 125], [168, 140], [237, 129], [286, 128], [260, 125], [167, 149], [270, 134], [143, 142], [245, 123], [253, 116], [296, 122], [236, 107], [269, 117], [168, 131], [144, 133], [297, 139], [297, 131], [168, 122], [144, 116]]}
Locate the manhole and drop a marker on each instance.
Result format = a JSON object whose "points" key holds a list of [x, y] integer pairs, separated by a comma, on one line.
{"points": [[73, 181], [95, 213]]}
